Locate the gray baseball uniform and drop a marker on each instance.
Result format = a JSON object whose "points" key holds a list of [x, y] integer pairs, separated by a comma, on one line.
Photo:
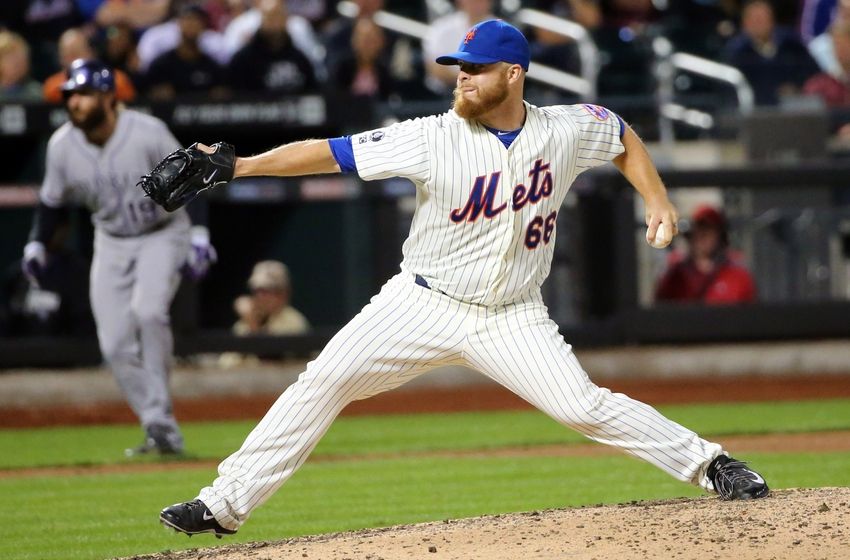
{"points": [[138, 251]]}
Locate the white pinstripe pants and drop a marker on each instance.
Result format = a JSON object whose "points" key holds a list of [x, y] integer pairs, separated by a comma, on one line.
{"points": [[407, 330]]}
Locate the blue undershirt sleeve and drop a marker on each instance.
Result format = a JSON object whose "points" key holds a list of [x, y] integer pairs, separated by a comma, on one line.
{"points": [[343, 153], [622, 126]]}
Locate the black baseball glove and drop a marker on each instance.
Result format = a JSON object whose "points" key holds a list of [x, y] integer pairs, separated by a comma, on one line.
{"points": [[183, 173]]}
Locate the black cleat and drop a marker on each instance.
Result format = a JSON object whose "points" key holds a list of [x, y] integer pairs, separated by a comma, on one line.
{"points": [[733, 480], [156, 441], [159, 434], [192, 518]]}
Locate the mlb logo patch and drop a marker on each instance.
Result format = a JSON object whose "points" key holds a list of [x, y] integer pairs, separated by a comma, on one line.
{"points": [[599, 112], [374, 136]]}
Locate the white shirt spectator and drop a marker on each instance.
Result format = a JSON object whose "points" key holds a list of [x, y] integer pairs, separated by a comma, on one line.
{"points": [[823, 51], [164, 37], [444, 34], [312, 10], [240, 30]]}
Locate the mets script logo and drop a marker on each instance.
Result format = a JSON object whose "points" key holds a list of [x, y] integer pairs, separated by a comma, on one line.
{"points": [[470, 35], [481, 199], [599, 112]]}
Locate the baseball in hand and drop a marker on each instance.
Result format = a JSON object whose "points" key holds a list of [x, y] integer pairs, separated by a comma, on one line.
{"points": [[663, 237]]}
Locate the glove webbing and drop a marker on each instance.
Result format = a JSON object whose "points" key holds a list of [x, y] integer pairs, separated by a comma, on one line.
{"points": [[156, 179]]}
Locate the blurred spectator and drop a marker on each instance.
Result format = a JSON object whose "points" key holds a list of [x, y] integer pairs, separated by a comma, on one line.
{"points": [[46, 19], [41, 22], [74, 44], [626, 55], [236, 8], [337, 37], [270, 62], [834, 87], [413, 9], [557, 50], [401, 57], [773, 59], [709, 272], [586, 13], [119, 51], [138, 14], [15, 81], [816, 17], [220, 12], [164, 37], [317, 12], [821, 47], [88, 9], [363, 72], [267, 310], [186, 69], [243, 28], [446, 32], [700, 27], [632, 14]]}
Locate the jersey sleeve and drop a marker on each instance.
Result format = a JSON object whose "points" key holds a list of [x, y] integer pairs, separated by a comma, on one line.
{"points": [[54, 189], [600, 135], [398, 150], [343, 153]]}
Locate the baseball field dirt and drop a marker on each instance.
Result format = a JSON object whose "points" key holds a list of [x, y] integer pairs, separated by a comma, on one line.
{"points": [[481, 396], [804, 524]]}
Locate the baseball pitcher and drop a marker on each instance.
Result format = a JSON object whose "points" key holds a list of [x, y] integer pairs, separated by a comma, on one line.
{"points": [[139, 249], [490, 177]]}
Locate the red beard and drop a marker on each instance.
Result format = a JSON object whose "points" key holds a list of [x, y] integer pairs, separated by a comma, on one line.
{"points": [[487, 101]]}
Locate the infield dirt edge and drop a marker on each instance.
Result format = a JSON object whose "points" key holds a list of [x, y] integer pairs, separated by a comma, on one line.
{"points": [[790, 524]]}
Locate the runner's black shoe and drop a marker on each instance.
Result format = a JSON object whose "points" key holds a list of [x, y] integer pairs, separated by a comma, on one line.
{"points": [[156, 441], [192, 518], [160, 436], [733, 480]]}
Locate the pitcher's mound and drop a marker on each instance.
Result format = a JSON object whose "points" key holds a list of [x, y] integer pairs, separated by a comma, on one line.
{"points": [[790, 524]]}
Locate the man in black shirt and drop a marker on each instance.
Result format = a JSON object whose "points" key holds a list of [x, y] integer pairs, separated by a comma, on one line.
{"points": [[186, 69], [270, 62]]}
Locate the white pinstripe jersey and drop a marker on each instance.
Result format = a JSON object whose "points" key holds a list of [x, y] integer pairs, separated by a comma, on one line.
{"points": [[103, 178], [484, 227]]}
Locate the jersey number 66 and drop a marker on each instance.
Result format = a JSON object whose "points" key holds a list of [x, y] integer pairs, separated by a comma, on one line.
{"points": [[540, 230]]}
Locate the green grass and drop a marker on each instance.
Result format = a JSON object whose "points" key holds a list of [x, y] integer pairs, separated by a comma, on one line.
{"points": [[107, 515], [90, 517], [405, 434]]}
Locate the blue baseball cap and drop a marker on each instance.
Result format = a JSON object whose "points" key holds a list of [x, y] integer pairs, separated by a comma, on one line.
{"points": [[490, 41], [91, 75]]}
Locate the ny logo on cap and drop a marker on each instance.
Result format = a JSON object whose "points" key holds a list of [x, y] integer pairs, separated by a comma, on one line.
{"points": [[469, 36]]}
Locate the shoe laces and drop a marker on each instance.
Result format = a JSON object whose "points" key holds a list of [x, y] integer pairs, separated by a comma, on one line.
{"points": [[194, 505], [728, 475]]}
